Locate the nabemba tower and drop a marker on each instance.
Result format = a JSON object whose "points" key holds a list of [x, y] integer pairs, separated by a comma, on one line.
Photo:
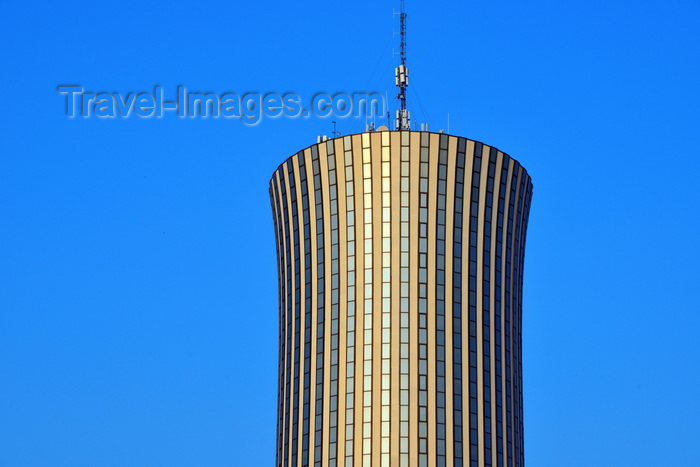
{"points": [[400, 258]]}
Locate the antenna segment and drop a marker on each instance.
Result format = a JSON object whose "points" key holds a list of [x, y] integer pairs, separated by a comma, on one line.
{"points": [[403, 116]]}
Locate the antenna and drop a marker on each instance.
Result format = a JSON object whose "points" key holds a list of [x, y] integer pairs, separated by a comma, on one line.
{"points": [[403, 116]]}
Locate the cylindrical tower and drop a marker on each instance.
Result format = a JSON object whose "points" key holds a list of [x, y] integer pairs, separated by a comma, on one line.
{"points": [[400, 257]]}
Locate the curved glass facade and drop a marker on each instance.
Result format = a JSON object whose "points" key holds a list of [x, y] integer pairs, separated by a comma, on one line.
{"points": [[400, 259]]}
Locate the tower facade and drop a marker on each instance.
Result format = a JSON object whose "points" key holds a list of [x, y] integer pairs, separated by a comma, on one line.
{"points": [[400, 259]]}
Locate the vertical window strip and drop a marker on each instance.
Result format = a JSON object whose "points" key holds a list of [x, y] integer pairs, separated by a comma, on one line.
{"points": [[350, 326], [386, 307], [510, 309], [308, 312], [368, 304], [320, 308], [297, 313], [288, 318], [517, 313], [473, 347], [457, 307], [423, 305], [335, 305], [404, 311], [498, 291], [486, 308], [527, 185], [523, 234], [275, 195], [440, 303]]}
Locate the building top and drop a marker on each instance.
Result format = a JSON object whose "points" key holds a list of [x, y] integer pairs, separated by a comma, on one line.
{"points": [[385, 129]]}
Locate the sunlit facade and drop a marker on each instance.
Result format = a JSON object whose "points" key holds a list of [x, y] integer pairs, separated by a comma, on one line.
{"points": [[400, 257]]}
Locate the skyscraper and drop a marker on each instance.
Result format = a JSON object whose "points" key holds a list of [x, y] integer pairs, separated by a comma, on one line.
{"points": [[400, 257]]}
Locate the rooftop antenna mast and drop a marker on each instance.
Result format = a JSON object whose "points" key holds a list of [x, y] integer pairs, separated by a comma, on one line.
{"points": [[403, 116]]}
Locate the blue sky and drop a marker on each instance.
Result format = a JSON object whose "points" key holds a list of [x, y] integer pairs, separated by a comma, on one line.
{"points": [[138, 300]]}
